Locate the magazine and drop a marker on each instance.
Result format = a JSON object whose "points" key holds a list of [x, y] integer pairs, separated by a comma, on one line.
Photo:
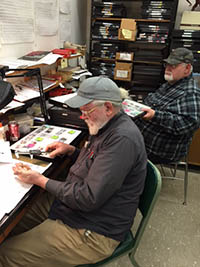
{"points": [[35, 55]]}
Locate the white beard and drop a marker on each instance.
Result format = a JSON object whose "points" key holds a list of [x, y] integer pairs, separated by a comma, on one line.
{"points": [[169, 77], [94, 127]]}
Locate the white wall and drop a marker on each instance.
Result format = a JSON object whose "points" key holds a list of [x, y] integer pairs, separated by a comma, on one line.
{"points": [[78, 33], [79, 21]]}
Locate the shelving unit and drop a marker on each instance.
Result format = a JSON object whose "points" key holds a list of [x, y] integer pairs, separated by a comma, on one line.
{"points": [[155, 21]]}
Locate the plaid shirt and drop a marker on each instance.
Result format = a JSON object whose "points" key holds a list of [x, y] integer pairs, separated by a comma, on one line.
{"points": [[177, 116]]}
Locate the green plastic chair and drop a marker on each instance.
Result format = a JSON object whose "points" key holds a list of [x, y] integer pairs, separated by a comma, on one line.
{"points": [[147, 201]]}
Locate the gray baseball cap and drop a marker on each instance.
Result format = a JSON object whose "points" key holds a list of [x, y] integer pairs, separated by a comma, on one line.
{"points": [[95, 88], [180, 55]]}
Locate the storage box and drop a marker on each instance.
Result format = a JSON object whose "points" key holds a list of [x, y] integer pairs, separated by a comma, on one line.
{"points": [[127, 30], [123, 71], [190, 20], [125, 56]]}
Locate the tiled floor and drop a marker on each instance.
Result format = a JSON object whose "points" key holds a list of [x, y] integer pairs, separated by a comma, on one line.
{"points": [[172, 237]]}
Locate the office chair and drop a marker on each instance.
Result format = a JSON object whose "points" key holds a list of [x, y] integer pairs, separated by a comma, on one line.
{"points": [[147, 201]]}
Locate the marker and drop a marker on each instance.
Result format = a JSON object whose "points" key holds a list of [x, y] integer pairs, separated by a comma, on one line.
{"points": [[91, 155]]}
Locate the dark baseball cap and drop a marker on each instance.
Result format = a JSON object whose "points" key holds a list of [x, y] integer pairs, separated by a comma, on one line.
{"points": [[95, 88], [180, 55]]}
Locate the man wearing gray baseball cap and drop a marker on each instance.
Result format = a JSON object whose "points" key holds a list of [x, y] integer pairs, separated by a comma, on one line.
{"points": [[85, 222], [174, 114], [96, 88]]}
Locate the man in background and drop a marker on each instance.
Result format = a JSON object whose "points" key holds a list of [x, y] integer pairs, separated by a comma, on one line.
{"points": [[174, 113], [94, 208]]}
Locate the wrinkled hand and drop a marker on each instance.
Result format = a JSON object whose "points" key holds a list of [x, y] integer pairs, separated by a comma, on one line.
{"points": [[149, 113], [59, 149], [25, 174]]}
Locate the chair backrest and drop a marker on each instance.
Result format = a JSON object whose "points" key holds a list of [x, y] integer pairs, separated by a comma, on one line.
{"points": [[147, 201]]}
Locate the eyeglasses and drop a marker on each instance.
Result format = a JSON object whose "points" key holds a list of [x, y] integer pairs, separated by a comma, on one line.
{"points": [[88, 112], [172, 66]]}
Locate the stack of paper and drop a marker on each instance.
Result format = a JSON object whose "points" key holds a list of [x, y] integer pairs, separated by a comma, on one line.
{"points": [[12, 190]]}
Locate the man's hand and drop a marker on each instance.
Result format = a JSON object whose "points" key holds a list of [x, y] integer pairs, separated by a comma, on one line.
{"points": [[25, 174], [59, 149], [149, 113]]}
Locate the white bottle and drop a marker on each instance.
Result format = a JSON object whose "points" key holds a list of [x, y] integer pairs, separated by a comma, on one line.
{"points": [[2, 132]]}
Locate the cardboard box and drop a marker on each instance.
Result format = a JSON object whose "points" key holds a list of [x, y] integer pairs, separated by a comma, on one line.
{"points": [[125, 56], [127, 30], [190, 20], [123, 71], [129, 24]]}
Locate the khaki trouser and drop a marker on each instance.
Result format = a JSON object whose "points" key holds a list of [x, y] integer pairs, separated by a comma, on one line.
{"points": [[51, 243]]}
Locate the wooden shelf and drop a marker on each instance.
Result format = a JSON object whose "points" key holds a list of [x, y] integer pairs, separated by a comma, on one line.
{"points": [[137, 20], [103, 59], [134, 61]]}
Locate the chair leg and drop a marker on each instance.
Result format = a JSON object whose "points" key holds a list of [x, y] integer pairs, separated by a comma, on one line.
{"points": [[133, 261], [185, 183], [175, 168], [174, 177]]}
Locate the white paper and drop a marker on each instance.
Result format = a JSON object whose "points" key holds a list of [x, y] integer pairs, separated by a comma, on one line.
{"points": [[5, 152], [25, 94], [46, 16], [33, 84], [48, 59], [65, 28], [125, 56], [63, 98], [122, 74], [65, 6], [16, 20], [78, 76], [14, 63], [12, 190], [12, 105]]}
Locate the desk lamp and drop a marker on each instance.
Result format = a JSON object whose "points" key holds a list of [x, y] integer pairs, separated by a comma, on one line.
{"points": [[7, 92]]}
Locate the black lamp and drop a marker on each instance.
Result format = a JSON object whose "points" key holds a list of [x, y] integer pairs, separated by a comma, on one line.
{"points": [[7, 92]]}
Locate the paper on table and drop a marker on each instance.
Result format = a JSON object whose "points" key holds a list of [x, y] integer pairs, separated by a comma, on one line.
{"points": [[25, 94], [63, 98], [12, 190], [5, 152], [14, 63], [12, 105], [49, 59], [77, 76]]}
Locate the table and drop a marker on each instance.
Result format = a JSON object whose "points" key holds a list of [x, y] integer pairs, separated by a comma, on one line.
{"points": [[8, 222]]}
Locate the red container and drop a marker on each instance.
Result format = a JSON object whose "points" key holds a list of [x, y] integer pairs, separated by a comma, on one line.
{"points": [[13, 128]]}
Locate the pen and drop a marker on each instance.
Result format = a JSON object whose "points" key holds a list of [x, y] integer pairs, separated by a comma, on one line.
{"points": [[91, 155]]}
